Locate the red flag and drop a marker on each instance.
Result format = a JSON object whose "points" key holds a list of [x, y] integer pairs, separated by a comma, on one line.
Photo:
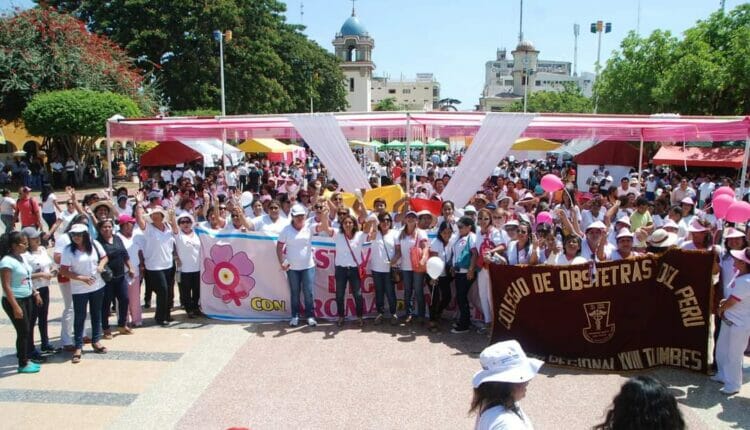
{"points": [[424, 204]]}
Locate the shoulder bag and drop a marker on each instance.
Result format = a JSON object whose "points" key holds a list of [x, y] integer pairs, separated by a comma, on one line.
{"points": [[361, 267], [107, 274], [395, 271]]}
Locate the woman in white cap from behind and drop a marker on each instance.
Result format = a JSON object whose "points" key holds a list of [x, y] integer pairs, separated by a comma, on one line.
{"points": [[501, 384]]}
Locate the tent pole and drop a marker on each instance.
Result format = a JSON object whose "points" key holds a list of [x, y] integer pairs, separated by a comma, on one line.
{"points": [[744, 167], [223, 143], [109, 162], [640, 157], [408, 152]]}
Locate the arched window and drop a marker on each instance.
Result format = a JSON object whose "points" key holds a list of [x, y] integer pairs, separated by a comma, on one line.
{"points": [[351, 53]]}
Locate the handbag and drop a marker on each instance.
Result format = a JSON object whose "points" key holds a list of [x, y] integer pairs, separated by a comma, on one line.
{"points": [[416, 253], [361, 267], [395, 271], [107, 274]]}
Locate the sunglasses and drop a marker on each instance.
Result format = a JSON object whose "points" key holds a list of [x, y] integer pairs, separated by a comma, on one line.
{"points": [[185, 221], [76, 234], [387, 220], [223, 208], [318, 207], [343, 213], [484, 219]]}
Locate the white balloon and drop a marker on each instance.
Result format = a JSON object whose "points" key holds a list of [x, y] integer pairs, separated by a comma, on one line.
{"points": [[246, 199], [435, 267]]}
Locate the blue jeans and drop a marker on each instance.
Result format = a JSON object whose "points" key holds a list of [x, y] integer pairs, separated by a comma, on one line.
{"points": [[302, 280], [94, 300], [116, 288], [413, 285], [384, 287], [350, 275]]}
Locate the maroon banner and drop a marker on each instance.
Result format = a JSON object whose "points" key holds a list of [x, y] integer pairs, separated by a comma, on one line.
{"points": [[622, 315]]}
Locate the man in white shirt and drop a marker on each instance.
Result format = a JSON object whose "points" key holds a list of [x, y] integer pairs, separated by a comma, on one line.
{"points": [[166, 175], [704, 191]]}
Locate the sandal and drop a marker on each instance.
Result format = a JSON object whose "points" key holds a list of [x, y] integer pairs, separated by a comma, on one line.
{"points": [[100, 349], [76, 358], [340, 322]]}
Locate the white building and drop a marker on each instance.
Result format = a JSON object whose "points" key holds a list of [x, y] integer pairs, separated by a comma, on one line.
{"points": [[353, 46], [420, 94], [505, 82]]}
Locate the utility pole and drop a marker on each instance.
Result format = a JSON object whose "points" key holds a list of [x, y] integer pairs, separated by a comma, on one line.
{"points": [[520, 26], [576, 32], [599, 27]]}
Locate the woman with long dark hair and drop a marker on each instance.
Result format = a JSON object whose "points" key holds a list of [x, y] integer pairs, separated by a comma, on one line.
{"points": [[523, 250], [463, 266], [441, 287], [501, 384], [83, 262], [118, 260], [41, 266], [50, 208], [489, 241], [383, 250], [19, 296], [643, 403], [412, 240]]}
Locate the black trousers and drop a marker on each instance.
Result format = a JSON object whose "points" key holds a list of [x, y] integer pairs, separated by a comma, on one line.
{"points": [[42, 313], [463, 284], [23, 326], [190, 290], [440, 297], [157, 281]]}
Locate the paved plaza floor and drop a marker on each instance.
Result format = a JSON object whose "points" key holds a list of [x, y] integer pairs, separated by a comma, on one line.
{"points": [[203, 374]]}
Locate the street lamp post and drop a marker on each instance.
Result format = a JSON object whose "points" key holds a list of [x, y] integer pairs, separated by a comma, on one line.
{"points": [[219, 36], [526, 73], [599, 27]]}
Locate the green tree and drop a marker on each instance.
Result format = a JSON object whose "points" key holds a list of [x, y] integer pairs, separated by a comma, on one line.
{"points": [[388, 104], [707, 72], [569, 100], [43, 50], [627, 83], [73, 120], [270, 66]]}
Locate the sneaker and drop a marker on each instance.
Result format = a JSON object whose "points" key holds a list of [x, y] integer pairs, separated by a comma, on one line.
{"points": [[378, 320], [51, 349], [408, 319], [147, 305], [482, 330], [460, 330], [38, 358], [394, 319], [716, 378], [294, 322], [311, 322], [340, 322], [30, 367], [723, 390]]}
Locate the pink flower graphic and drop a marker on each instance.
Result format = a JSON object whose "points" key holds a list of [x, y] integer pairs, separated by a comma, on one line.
{"points": [[229, 273]]}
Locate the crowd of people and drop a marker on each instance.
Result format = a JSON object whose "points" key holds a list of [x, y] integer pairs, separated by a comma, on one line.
{"points": [[105, 247]]}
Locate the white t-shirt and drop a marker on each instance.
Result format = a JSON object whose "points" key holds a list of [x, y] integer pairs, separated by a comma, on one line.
{"points": [[84, 264], [157, 248], [407, 243], [587, 217], [6, 206], [559, 259], [344, 257], [499, 418], [615, 255], [739, 314], [39, 262], [495, 237], [383, 249], [264, 223], [443, 251], [298, 245], [48, 207], [518, 256], [189, 250], [133, 245]]}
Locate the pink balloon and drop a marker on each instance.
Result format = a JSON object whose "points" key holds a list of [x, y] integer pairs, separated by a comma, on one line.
{"points": [[738, 212], [720, 204], [551, 183], [544, 217], [723, 190]]}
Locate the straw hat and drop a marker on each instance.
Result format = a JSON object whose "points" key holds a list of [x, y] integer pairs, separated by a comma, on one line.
{"points": [[661, 238]]}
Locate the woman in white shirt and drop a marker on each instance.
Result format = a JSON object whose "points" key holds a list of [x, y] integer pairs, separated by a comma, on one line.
{"points": [[83, 262], [7, 210], [489, 241], [383, 250], [188, 247], [40, 262], [569, 255], [523, 250], [133, 241], [295, 254], [350, 244], [412, 237], [463, 267], [441, 287], [50, 208], [734, 311], [158, 258]]}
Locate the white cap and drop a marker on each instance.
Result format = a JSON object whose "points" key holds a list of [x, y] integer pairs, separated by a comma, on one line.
{"points": [[624, 232], [506, 362], [298, 210], [597, 225], [470, 208], [625, 220], [78, 228]]}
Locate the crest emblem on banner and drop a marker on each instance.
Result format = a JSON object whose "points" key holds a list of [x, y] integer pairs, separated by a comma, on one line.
{"points": [[599, 329]]}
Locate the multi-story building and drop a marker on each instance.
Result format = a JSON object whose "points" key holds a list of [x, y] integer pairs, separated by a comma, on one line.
{"points": [[505, 78], [421, 94]]}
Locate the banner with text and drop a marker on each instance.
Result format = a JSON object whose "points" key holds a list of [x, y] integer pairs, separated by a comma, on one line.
{"points": [[621, 315]]}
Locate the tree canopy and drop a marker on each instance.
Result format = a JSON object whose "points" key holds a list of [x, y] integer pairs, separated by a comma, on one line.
{"points": [[570, 100], [74, 119], [388, 104], [707, 72], [270, 66], [43, 50]]}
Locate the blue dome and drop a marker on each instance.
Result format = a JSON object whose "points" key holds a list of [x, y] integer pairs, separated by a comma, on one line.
{"points": [[352, 27]]}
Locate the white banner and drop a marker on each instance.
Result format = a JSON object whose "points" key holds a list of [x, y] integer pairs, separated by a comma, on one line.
{"points": [[241, 280]]}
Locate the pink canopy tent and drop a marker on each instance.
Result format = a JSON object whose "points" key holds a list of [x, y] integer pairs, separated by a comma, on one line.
{"points": [[401, 125]]}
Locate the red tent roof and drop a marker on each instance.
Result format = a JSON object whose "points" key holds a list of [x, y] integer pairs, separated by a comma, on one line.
{"points": [[704, 157], [168, 154], [612, 152]]}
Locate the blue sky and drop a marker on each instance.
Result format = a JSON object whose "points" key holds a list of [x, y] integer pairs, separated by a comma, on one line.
{"points": [[453, 39]]}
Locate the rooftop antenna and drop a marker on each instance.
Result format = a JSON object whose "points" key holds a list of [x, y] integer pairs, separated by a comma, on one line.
{"points": [[576, 32], [520, 26], [353, 11], [301, 12]]}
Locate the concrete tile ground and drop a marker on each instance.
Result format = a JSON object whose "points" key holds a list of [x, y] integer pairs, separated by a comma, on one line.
{"points": [[199, 374]]}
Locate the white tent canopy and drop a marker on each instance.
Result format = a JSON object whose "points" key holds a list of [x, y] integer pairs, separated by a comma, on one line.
{"points": [[211, 149]]}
